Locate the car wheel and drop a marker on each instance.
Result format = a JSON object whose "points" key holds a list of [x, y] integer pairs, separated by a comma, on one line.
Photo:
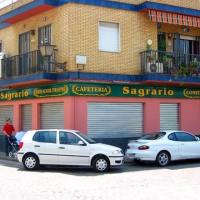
{"points": [[101, 164], [31, 162], [163, 158], [136, 161]]}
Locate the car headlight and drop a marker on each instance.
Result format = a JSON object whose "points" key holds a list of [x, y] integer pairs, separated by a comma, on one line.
{"points": [[118, 151]]}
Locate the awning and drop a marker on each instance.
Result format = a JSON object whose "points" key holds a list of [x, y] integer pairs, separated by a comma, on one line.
{"points": [[173, 18]]}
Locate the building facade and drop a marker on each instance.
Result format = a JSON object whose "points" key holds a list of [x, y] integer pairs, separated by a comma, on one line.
{"points": [[111, 69]]}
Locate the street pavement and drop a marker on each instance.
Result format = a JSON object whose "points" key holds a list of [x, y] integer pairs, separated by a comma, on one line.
{"points": [[179, 181]]}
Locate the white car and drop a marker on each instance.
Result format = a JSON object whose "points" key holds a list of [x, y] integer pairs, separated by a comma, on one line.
{"points": [[164, 147], [66, 147]]}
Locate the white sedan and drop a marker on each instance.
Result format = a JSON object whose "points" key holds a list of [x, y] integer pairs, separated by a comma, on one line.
{"points": [[163, 147]]}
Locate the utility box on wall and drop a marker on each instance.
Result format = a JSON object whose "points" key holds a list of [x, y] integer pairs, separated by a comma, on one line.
{"points": [[81, 60]]}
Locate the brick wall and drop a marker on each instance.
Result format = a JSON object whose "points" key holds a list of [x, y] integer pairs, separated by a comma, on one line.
{"points": [[75, 32], [14, 6], [57, 17], [83, 26], [195, 4]]}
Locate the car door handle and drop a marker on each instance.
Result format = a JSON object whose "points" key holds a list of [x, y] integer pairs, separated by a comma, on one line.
{"points": [[37, 146], [61, 147]]}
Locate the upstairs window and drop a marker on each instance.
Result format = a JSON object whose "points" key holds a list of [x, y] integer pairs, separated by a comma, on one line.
{"points": [[109, 37], [44, 35]]}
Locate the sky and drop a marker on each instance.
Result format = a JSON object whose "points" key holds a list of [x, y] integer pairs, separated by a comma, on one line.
{"points": [[4, 3]]}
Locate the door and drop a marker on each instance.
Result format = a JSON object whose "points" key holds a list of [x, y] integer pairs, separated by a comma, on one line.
{"points": [[189, 146], [70, 152], [5, 112], [52, 115], [26, 117], [46, 146], [44, 38], [187, 50], [174, 147], [169, 116], [115, 119], [24, 56]]}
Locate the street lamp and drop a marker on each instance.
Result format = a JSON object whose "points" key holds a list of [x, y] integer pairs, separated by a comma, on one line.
{"points": [[47, 52]]}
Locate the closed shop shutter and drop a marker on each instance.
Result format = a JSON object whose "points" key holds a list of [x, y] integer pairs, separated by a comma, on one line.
{"points": [[169, 117], [5, 112], [115, 119], [26, 117], [52, 115]]}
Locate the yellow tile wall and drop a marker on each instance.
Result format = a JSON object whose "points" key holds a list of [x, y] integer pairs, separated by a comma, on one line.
{"points": [[195, 4], [58, 18], [83, 26], [14, 6], [75, 32]]}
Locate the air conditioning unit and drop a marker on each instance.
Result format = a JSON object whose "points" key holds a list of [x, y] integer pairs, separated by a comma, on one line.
{"points": [[2, 56], [154, 67]]}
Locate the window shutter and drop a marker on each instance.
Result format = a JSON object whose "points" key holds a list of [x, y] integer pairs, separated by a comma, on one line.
{"points": [[109, 37]]}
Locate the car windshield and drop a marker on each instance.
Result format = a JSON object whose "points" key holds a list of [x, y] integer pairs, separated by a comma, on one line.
{"points": [[153, 136], [85, 137]]}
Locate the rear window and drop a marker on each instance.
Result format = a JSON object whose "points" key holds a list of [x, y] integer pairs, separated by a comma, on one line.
{"points": [[45, 136], [153, 136]]}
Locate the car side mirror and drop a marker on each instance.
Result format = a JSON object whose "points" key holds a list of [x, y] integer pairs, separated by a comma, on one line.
{"points": [[81, 143]]}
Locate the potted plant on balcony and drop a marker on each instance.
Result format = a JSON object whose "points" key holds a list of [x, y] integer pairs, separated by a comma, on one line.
{"points": [[186, 70], [167, 62], [183, 70]]}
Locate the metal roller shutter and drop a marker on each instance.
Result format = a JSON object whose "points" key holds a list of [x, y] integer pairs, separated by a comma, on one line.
{"points": [[26, 117], [5, 112], [169, 117], [52, 115], [115, 119]]}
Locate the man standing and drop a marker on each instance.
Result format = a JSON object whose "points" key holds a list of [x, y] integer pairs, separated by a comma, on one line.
{"points": [[9, 131]]}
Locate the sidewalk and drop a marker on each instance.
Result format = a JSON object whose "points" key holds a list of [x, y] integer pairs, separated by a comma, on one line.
{"points": [[3, 156]]}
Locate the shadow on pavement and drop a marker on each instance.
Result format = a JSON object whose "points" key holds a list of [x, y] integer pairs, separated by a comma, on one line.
{"points": [[84, 171]]}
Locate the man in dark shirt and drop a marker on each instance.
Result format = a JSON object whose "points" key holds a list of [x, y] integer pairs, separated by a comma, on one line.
{"points": [[9, 132]]}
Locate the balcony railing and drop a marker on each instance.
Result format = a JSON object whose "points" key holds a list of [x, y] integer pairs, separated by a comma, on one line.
{"points": [[170, 63], [28, 63]]}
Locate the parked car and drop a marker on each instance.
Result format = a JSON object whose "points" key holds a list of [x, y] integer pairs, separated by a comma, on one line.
{"points": [[66, 147], [163, 147]]}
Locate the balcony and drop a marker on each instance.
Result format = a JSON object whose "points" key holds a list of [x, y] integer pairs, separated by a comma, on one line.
{"points": [[171, 63], [29, 63]]}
